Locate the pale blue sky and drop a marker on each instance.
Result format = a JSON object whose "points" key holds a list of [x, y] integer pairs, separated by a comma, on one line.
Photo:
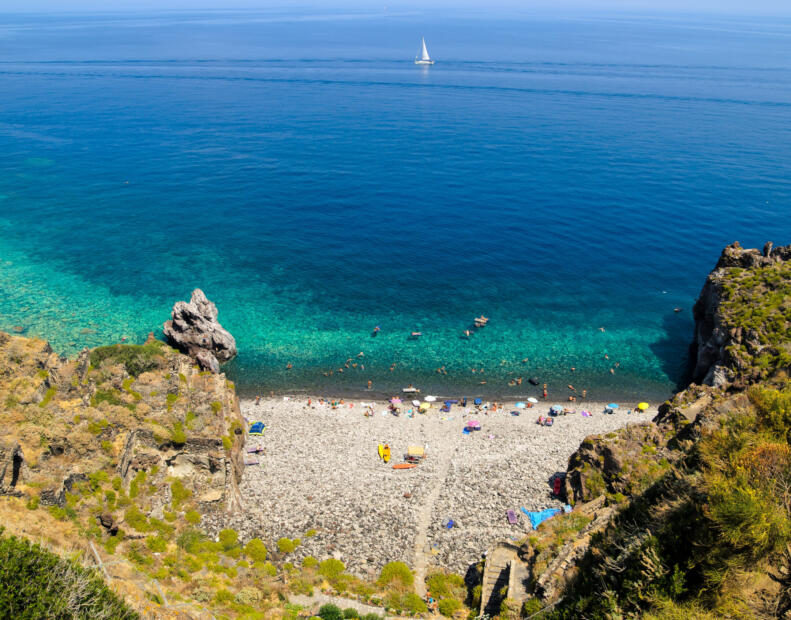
{"points": [[751, 7]]}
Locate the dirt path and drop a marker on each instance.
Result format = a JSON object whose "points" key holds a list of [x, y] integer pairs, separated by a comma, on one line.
{"points": [[319, 599], [420, 563]]}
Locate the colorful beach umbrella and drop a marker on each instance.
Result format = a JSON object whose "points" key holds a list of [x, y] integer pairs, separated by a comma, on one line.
{"points": [[642, 406], [395, 400], [416, 403], [430, 399], [477, 401], [612, 406], [520, 405], [532, 400]]}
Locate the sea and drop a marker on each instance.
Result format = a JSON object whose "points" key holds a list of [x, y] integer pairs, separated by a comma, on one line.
{"points": [[573, 177]]}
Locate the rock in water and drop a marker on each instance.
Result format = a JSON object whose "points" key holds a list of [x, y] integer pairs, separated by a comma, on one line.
{"points": [[194, 330]]}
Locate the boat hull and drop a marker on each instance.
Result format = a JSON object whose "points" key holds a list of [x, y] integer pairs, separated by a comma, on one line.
{"points": [[424, 62]]}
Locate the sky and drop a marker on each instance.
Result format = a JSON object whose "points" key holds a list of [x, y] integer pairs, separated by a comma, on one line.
{"points": [[746, 7]]}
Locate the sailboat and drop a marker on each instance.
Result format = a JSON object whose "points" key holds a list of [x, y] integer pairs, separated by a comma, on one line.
{"points": [[423, 58]]}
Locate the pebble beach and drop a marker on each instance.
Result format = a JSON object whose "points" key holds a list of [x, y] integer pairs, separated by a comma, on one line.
{"points": [[319, 470]]}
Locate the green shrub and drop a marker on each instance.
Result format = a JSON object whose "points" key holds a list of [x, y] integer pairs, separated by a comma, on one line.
{"points": [[351, 612], [310, 562], [267, 568], [48, 396], [39, 584], [286, 545], [331, 568], [137, 359], [310, 533], [134, 486], [255, 550], [216, 406], [193, 517], [330, 612], [170, 400], [33, 502], [156, 544], [394, 573], [228, 539], [226, 442], [179, 493], [190, 539], [136, 519], [449, 606], [177, 434]]}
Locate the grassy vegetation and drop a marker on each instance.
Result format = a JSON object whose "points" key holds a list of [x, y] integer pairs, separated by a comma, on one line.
{"points": [[38, 584], [756, 302], [137, 359], [704, 538]]}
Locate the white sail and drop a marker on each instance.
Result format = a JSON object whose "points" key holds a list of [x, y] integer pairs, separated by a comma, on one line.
{"points": [[424, 55]]}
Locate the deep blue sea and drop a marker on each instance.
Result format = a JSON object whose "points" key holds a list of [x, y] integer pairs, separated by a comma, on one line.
{"points": [[556, 173]]}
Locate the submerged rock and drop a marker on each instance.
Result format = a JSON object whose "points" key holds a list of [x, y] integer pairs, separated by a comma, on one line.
{"points": [[194, 330]]}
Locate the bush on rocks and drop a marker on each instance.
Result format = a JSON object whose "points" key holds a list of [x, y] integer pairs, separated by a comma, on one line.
{"points": [[331, 568], [309, 562], [396, 574], [228, 539], [351, 612], [255, 550], [286, 545]]}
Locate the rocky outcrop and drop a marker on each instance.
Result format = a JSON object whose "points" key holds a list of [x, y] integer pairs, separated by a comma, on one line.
{"points": [[11, 463], [193, 329], [724, 343]]}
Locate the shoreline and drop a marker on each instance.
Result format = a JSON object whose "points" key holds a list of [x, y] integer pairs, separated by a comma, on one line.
{"points": [[319, 470]]}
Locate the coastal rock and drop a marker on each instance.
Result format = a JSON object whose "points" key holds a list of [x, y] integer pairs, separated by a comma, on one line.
{"points": [[194, 330], [726, 345]]}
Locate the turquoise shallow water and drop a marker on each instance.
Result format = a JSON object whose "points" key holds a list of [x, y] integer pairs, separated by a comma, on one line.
{"points": [[555, 175]]}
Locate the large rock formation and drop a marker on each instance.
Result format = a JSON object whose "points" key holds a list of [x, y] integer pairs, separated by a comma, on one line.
{"points": [[727, 341], [194, 330]]}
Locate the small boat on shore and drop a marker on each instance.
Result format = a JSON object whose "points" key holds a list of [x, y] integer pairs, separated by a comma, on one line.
{"points": [[404, 466]]}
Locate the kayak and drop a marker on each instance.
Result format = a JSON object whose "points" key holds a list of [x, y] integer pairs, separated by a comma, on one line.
{"points": [[381, 451], [404, 466], [386, 453]]}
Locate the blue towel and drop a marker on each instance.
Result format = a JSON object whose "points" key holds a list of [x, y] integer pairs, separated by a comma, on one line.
{"points": [[536, 518]]}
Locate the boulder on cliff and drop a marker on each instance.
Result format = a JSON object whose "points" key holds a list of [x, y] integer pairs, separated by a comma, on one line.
{"points": [[194, 330]]}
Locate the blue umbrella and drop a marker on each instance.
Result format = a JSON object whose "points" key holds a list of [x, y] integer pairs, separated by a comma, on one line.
{"points": [[612, 406], [478, 401], [556, 408], [519, 405]]}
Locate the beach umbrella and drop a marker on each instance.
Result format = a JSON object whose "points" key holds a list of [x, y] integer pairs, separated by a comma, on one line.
{"points": [[395, 400], [642, 406], [519, 405], [532, 400], [556, 408], [430, 399], [424, 406], [416, 403], [477, 401], [612, 406]]}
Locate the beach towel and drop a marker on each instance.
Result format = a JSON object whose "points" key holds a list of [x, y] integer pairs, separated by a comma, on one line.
{"points": [[536, 518]]}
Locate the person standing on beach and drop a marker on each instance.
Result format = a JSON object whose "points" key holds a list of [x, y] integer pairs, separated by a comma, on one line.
{"points": [[545, 390]]}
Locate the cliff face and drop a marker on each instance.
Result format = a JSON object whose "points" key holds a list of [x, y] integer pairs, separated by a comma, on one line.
{"points": [[690, 515], [120, 410], [742, 317]]}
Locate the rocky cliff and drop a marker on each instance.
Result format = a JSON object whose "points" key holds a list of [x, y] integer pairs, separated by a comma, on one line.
{"points": [[742, 317], [689, 516], [120, 409]]}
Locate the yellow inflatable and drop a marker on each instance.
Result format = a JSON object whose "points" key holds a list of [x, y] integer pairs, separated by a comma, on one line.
{"points": [[386, 453], [381, 451]]}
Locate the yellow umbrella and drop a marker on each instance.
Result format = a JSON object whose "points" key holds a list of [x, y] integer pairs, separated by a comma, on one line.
{"points": [[424, 406], [642, 406]]}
